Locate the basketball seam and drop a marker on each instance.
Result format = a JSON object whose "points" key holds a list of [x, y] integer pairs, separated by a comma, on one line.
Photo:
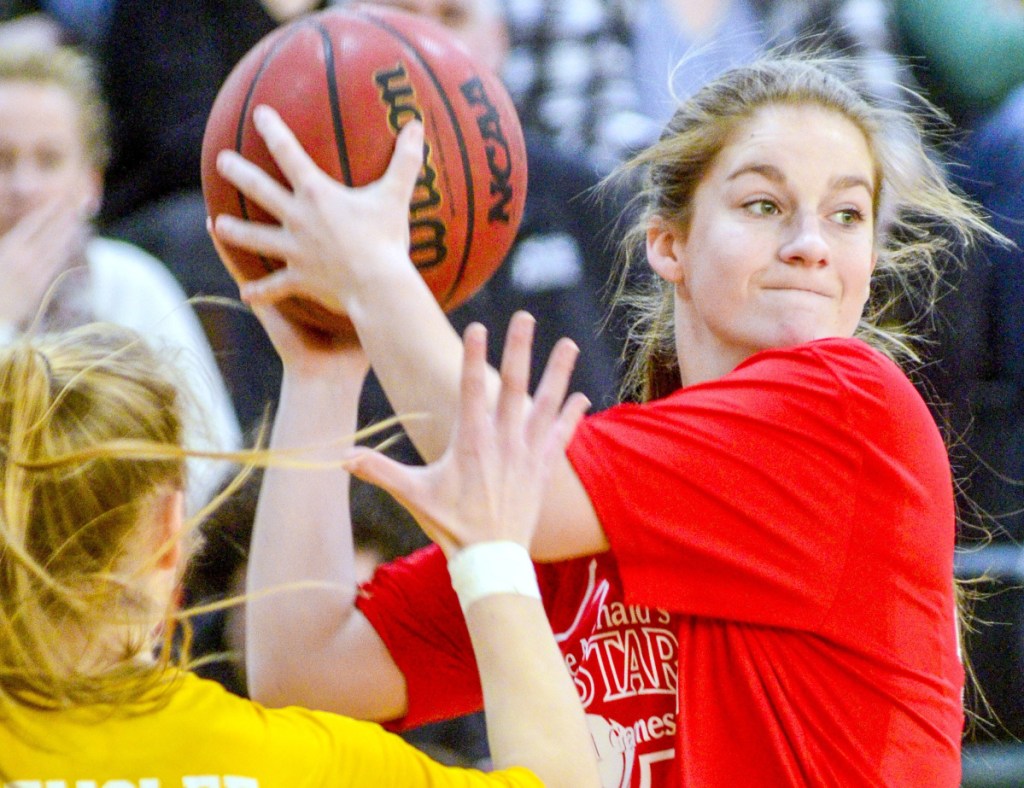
{"points": [[335, 104], [310, 310], [240, 129]]}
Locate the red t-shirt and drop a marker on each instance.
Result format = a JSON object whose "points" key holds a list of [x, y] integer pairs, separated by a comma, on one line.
{"points": [[797, 517], [623, 658]]}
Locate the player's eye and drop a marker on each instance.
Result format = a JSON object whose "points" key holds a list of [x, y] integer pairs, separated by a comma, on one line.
{"points": [[848, 216], [763, 207]]}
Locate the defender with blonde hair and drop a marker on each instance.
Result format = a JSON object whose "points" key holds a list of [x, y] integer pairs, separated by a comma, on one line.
{"points": [[93, 541], [772, 518], [73, 549]]}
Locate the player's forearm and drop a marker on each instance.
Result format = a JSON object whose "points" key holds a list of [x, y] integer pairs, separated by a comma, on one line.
{"points": [[302, 534], [415, 353], [417, 356], [534, 716]]}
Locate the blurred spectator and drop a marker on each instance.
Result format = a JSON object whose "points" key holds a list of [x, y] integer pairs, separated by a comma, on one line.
{"points": [[25, 23], [570, 72], [681, 44], [969, 55], [81, 23], [57, 272], [163, 65], [164, 61], [601, 76]]}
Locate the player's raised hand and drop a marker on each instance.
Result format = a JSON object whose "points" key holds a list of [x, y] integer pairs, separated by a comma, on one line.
{"points": [[489, 483], [329, 235]]}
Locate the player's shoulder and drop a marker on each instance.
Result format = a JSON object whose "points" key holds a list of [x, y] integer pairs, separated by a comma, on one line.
{"points": [[837, 375], [420, 569], [847, 361]]}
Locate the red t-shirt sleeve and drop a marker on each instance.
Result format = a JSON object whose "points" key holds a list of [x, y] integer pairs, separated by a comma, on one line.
{"points": [[733, 499], [411, 604]]}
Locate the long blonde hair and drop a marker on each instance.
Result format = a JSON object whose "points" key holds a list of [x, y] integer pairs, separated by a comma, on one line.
{"points": [[92, 439], [921, 221], [71, 556]]}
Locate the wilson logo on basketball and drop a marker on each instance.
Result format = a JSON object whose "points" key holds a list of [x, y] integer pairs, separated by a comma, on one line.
{"points": [[499, 158], [427, 246]]}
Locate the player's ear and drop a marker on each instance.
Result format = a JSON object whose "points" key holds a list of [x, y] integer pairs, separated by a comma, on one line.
{"points": [[169, 515], [665, 250]]}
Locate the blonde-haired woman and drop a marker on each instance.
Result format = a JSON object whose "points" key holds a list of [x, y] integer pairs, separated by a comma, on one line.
{"points": [[92, 544]]}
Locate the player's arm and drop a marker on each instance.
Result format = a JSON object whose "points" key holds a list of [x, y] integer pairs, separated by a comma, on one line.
{"points": [[480, 502], [309, 645], [348, 249]]}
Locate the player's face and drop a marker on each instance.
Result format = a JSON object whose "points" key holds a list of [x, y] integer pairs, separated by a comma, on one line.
{"points": [[469, 20], [780, 247], [42, 155]]}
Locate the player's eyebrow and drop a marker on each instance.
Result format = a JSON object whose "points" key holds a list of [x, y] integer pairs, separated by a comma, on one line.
{"points": [[852, 181], [775, 175], [768, 171]]}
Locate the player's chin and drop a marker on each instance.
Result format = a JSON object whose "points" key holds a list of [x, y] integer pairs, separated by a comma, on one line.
{"points": [[798, 329]]}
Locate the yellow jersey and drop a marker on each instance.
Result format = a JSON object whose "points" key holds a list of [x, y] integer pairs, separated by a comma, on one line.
{"points": [[205, 737]]}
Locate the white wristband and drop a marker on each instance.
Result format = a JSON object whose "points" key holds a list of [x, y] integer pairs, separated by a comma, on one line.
{"points": [[490, 568]]}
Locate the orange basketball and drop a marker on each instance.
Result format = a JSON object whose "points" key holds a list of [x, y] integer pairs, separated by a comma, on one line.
{"points": [[346, 80]]}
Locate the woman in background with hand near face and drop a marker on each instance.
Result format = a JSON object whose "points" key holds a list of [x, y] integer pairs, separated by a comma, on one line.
{"points": [[57, 272]]}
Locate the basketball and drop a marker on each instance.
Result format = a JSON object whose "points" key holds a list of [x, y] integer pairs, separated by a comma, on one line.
{"points": [[346, 80]]}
